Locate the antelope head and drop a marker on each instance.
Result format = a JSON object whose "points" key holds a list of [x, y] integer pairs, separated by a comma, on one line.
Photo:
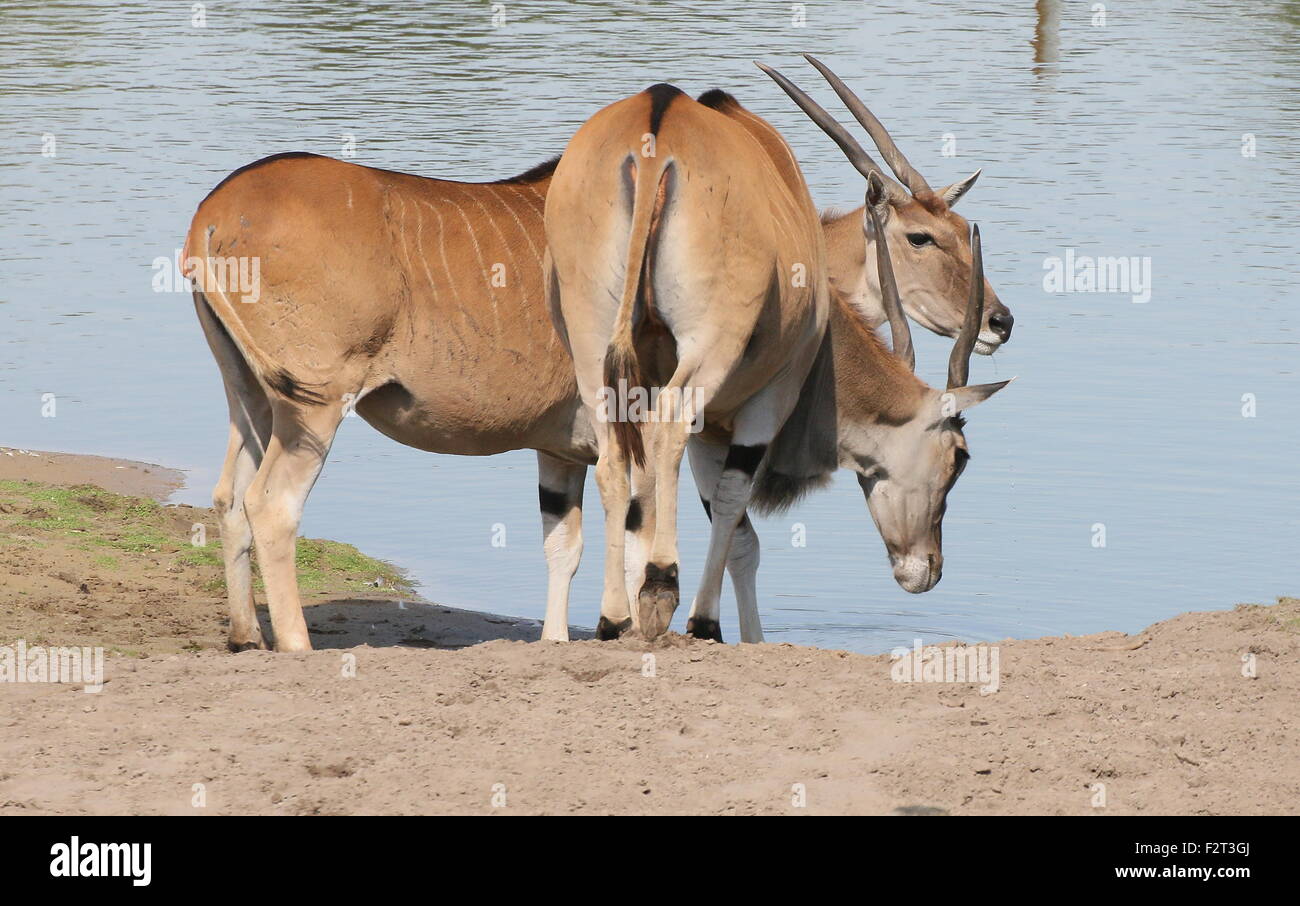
{"points": [[933, 258], [908, 460]]}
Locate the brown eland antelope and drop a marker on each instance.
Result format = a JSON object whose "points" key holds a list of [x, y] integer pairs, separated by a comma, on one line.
{"points": [[685, 255], [935, 267], [418, 301], [932, 253]]}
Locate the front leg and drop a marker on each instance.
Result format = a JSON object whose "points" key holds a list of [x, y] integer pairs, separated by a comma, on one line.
{"points": [[707, 461], [559, 491], [726, 508], [755, 427], [742, 565]]}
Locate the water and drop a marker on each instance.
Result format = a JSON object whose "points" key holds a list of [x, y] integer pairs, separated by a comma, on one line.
{"points": [[1115, 139]]}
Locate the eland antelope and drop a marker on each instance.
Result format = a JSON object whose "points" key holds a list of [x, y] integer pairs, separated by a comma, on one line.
{"points": [[685, 255], [418, 302], [932, 252], [902, 438]]}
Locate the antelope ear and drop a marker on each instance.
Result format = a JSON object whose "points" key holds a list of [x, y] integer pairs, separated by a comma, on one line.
{"points": [[959, 399], [881, 197], [882, 217], [954, 192]]}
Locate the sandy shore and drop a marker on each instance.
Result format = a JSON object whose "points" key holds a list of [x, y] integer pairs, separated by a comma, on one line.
{"points": [[394, 714], [86, 568], [121, 476]]}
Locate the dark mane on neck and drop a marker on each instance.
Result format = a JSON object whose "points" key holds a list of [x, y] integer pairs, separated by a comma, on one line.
{"points": [[535, 174], [717, 99]]}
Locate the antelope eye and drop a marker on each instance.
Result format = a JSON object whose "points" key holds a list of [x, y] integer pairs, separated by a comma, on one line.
{"points": [[962, 457], [920, 239]]}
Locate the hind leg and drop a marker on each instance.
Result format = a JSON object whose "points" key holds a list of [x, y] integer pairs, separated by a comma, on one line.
{"points": [[659, 594], [638, 528], [242, 460], [612, 480], [301, 436], [250, 430]]}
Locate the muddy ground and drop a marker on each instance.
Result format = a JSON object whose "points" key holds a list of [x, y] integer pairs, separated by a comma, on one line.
{"points": [[413, 708]]}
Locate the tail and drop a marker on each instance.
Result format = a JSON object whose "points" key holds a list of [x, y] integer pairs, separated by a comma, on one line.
{"points": [[649, 190], [197, 264]]}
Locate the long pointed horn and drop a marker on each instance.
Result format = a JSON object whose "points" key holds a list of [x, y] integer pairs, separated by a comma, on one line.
{"points": [[901, 333], [894, 157], [860, 159], [959, 361]]}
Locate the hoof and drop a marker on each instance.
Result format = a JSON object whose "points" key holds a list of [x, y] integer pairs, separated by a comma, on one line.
{"points": [[658, 599], [235, 647], [607, 630], [704, 629]]}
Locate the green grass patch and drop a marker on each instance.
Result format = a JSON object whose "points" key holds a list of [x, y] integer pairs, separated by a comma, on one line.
{"points": [[210, 555], [73, 510], [140, 539], [102, 524], [323, 564]]}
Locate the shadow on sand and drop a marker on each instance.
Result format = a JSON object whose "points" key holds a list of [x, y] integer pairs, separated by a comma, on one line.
{"points": [[387, 623]]}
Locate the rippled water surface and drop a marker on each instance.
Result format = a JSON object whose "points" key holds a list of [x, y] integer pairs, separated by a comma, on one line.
{"points": [[1123, 138]]}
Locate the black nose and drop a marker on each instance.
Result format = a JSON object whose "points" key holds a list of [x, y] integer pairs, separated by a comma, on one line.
{"points": [[1001, 325]]}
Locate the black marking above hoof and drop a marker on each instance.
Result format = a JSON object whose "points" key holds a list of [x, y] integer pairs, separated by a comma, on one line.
{"points": [[607, 630], [634, 516], [661, 575], [236, 647], [698, 628], [553, 503], [745, 459]]}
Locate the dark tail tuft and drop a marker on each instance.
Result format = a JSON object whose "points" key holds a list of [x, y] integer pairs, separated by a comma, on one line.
{"points": [[621, 366]]}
